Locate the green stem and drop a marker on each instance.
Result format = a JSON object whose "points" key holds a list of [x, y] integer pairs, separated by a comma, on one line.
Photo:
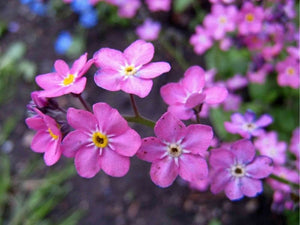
{"points": [[136, 112], [285, 181], [140, 120]]}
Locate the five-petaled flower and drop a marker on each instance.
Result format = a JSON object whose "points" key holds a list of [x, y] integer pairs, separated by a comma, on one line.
{"points": [[177, 150], [102, 140], [48, 138], [237, 171], [129, 71], [65, 80]]}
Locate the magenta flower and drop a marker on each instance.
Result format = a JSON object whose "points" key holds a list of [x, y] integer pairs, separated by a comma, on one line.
{"points": [[237, 171], [201, 40], [129, 71], [159, 5], [126, 8], [177, 150], [65, 80], [48, 138], [236, 82], [295, 142], [189, 93], [149, 30], [247, 125], [232, 102], [288, 72], [102, 140]]}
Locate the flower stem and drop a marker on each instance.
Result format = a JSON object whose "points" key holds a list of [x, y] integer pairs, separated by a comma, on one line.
{"points": [[83, 102], [133, 103], [285, 181], [140, 120]]}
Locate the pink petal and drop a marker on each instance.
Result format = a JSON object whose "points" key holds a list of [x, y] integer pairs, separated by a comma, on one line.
{"points": [[215, 95], [109, 59], [233, 190], [40, 141], [109, 119], [194, 79], [126, 144], [153, 70], [73, 142], [173, 93], [36, 123], [86, 67], [51, 93], [251, 187], [137, 86], [181, 112], [237, 118], [61, 68], [49, 81], [197, 138], [264, 121], [194, 100], [152, 149], [76, 88], [139, 53], [261, 167], [108, 79], [53, 153], [87, 161], [81, 119], [192, 167], [169, 128], [164, 172], [221, 158], [114, 164], [244, 151], [78, 64], [219, 179]]}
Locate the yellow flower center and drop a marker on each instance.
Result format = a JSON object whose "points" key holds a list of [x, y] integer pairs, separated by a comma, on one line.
{"points": [[290, 71], [222, 19], [174, 150], [69, 80], [129, 70], [100, 140], [249, 17], [55, 137]]}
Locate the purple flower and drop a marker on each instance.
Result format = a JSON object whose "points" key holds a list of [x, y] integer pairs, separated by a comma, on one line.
{"points": [[149, 30], [247, 125], [237, 171], [177, 150], [201, 40], [102, 140], [129, 71], [288, 72]]}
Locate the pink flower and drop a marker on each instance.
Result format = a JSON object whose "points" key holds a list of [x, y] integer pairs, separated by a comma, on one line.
{"points": [[259, 76], [126, 8], [295, 142], [129, 71], [247, 125], [236, 82], [201, 40], [232, 102], [65, 80], [102, 140], [159, 5], [250, 19], [237, 171], [149, 30], [220, 21], [288, 72], [268, 145], [189, 92], [177, 150], [48, 138]]}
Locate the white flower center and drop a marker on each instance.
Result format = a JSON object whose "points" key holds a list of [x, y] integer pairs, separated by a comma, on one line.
{"points": [[238, 170], [174, 150]]}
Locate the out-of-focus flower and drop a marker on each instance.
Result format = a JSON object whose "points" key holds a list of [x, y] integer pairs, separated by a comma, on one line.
{"points": [[288, 72], [201, 40], [63, 42], [149, 30], [159, 5]]}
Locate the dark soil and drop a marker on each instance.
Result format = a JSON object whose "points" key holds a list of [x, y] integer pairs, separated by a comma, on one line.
{"points": [[132, 199]]}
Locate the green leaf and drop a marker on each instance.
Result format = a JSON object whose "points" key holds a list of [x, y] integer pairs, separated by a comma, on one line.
{"points": [[28, 69], [15, 52], [181, 5]]}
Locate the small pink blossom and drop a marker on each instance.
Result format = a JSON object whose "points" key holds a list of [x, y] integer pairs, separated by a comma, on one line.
{"points": [[259, 76], [232, 102], [201, 40], [149, 30], [102, 140], [190, 92], [295, 142], [268, 145], [237, 171], [126, 8], [236, 82], [48, 138], [159, 5], [288, 72], [247, 125], [177, 150], [65, 80], [129, 71]]}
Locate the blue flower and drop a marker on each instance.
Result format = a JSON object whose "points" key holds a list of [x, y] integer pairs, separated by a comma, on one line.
{"points": [[63, 42], [88, 18]]}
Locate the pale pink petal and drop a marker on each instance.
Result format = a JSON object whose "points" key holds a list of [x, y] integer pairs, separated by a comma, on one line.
{"points": [[137, 86], [233, 190], [169, 128], [251, 187], [111, 59], [77, 87], [51, 93], [127, 143], [194, 100], [237, 118], [73, 142], [219, 179], [198, 138], [194, 79], [78, 64], [152, 149], [181, 112], [109, 119], [192, 167], [108, 79], [264, 121], [215, 95], [81, 119], [139, 53], [164, 172], [40, 141], [244, 151], [36, 123], [87, 161], [53, 153], [61, 68], [173, 93], [49, 81], [261, 167], [86, 67], [221, 158], [153, 70], [114, 164]]}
